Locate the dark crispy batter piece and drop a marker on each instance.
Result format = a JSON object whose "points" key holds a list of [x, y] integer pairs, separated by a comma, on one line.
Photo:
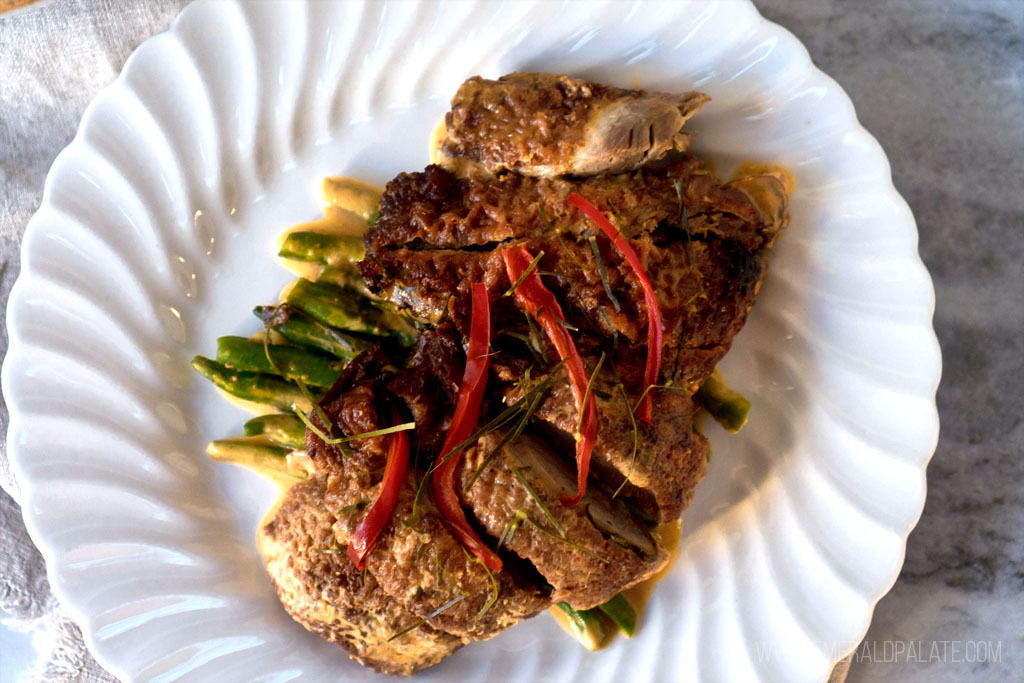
{"points": [[588, 553], [437, 209], [702, 307], [548, 125], [705, 257], [430, 385], [321, 589], [671, 458], [422, 566], [438, 233]]}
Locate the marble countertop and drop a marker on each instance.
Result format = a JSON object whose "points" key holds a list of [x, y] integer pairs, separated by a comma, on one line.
{"points": [[940, 85]]}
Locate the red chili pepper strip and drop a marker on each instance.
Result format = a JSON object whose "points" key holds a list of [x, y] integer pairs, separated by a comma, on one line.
{"points": [[539, 302], [394, 477], [653, 369], [467, 410]]}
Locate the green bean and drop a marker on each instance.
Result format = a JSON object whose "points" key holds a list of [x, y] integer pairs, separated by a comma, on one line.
{"points": [[301, 330], [292, 362], [729, 408], [346, 310], [257, 455], [323, 248], [257, 387], [344, 277], [585, 626], [622, 613], [353, 196], [283, 430]]}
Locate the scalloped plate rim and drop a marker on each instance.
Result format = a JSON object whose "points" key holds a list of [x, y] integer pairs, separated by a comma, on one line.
{"points": [[37, 527]]}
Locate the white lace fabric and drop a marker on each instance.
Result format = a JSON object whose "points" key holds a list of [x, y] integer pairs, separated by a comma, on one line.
{"points": [[55, 57]]}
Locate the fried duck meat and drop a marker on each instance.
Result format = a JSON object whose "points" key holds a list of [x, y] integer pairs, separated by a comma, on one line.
{"points": [[323, 591], [417, 560], [704, 246], [549, 125], [516, 148]]}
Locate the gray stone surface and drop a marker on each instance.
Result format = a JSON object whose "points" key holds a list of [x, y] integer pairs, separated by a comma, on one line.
{"points": [[940, 85]]}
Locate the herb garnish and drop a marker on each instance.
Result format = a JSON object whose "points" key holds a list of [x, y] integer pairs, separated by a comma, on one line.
{"points": [[536, 345], [577, 435], [350, 510], [405, 426], [439, 610], [561, 535], [536, 499], [603, 273], [526, 273], [691, 255], [494, 585], [510, 527], [632, 420], [528, 341]]}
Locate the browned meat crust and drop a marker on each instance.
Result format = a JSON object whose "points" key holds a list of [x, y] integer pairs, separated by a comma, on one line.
{"points": [[671, 458], [435, 208], [424, 567], [706, 256], [438, 233], [420, 565], [550, 125], [586, 565], [702, 307], [321, 589]]}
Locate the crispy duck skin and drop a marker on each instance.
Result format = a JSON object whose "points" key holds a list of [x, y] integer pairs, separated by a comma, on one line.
{"points": [[671, 458], [438, 233], [323, 591], [587, 553], [422, 566], [434, 208], [702, 307], [542, 124]]}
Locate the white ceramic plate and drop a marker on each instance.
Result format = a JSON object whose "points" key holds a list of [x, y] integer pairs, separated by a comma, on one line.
{"points": [[155, 236]]}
